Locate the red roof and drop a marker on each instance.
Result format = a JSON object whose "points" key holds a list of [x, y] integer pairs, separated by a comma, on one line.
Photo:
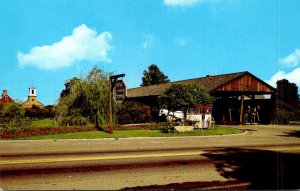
{"points": [[5, 99]]}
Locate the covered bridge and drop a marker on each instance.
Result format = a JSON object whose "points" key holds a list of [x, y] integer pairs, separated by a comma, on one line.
{"points": [[235, 95]]}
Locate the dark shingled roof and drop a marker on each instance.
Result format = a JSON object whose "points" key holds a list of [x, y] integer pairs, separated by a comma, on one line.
{"points": [[209, 83]]}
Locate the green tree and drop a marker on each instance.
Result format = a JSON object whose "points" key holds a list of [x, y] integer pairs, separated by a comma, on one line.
{"points": [[34, 112], [287, 92], [154, 76], [134, 112], [84, 100], [183, 97], [68, 86], [287, 102], [12, 110], [12, 118], [48, 112], [38, 113]]}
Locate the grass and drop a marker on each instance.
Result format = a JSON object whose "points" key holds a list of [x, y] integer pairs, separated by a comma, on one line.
{"points": [[42, 123], [218, 130]]}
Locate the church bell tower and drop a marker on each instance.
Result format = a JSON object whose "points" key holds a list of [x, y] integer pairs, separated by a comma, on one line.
{"points": [[32, 95], [32, 92], [32, 99]]}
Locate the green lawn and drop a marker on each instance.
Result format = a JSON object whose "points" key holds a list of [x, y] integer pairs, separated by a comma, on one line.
{"points": [[41, 123], [219, 130]]}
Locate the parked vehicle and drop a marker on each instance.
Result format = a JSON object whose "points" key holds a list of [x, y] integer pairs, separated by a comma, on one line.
{"points": [[200, 116]]}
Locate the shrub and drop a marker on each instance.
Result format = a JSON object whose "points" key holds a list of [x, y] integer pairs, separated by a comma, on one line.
{"points": [[134, 112], [13, 126], [282, 116], [36, 112], [169, 127], [74, 121], [12, 119]]}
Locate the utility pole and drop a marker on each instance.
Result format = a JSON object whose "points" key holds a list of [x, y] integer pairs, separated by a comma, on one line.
{"points": [[112, 82]]}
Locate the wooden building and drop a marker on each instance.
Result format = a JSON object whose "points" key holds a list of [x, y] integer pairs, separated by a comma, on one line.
{"points": [[234, 94], [5, 98]]}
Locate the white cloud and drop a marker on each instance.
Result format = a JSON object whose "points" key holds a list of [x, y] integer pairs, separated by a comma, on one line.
{"points": [[293, 76], [148, 41], [291, 60], [181, 3], [82, 45]]}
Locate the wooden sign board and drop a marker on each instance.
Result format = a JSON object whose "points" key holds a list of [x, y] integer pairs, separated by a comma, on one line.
{"points": [[119, 91]]}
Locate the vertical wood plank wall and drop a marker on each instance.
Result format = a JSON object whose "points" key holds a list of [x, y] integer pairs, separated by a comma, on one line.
{"points": [[245, 83]]}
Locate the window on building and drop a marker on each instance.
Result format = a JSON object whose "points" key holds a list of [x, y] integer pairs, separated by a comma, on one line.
{"points": [[32, 91]]}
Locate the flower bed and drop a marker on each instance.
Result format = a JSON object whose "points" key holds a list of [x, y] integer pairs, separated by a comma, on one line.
{"points": [[59, 130], [51, 130]]}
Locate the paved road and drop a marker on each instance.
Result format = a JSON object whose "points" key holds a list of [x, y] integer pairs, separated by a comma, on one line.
{"points": [[263, 157]]}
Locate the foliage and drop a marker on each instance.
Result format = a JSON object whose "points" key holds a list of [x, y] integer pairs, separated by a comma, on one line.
{"points": [[46, 126], [287, 102], [181, 97], [287, 92], [154, 76], [133, 112], [12, 110], [84, 100], [68, 85], [47, 112], [48, 130], [133, 133], [281, 116], [12, 119], [169, 128], [34, 112], [38, 113]]}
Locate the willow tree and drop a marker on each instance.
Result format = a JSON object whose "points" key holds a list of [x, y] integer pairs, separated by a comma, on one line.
{"points": [[84, 100]]}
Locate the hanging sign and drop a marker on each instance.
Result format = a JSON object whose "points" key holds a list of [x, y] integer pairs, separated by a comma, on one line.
{"points": [[119, 91]]}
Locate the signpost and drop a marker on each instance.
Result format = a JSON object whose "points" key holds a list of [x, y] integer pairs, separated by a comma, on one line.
{"points": [[121, 89]]}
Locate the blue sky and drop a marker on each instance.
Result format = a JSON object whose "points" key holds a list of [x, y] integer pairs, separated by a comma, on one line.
{"points": [[45, 43]]}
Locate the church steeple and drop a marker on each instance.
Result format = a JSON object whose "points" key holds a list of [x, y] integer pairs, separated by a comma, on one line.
{"points": [[32, 91], [32, 99]]}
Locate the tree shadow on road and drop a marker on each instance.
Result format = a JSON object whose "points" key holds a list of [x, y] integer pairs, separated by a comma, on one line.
{"points": [[262, 169], [255, 169], [213, 185], [292, 134], [247, 129]]}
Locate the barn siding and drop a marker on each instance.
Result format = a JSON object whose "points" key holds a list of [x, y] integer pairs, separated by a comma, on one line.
{"points": [[245, 83]]}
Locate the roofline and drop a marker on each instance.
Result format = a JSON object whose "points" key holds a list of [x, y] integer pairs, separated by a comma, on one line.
{"points": [[246, 72], [265, 83], [209, 76], [236, 76], [241, 74], [7, 96], [191, 79]]}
